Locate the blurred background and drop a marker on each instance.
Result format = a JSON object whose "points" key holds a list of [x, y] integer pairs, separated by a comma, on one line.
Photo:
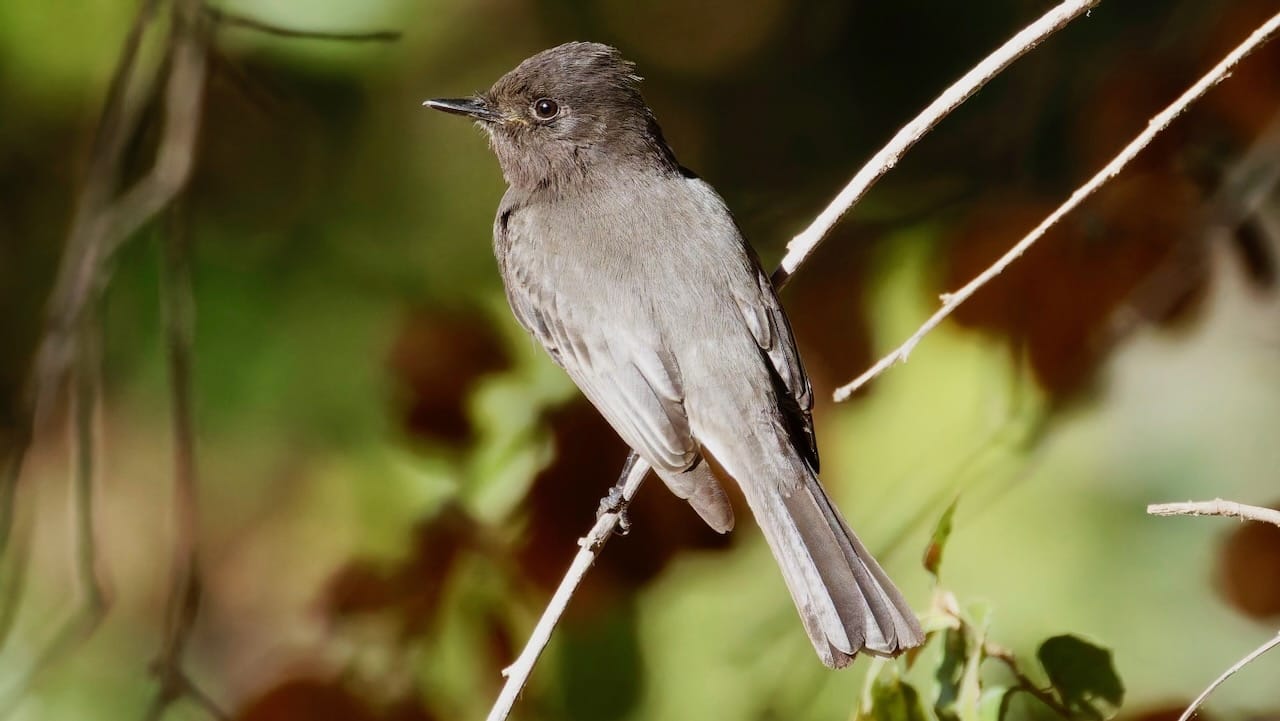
{"points": [[392, 477]]}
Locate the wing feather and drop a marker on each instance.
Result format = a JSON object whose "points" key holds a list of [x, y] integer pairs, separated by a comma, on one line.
{"points": [[767, 322], [636, 388]]}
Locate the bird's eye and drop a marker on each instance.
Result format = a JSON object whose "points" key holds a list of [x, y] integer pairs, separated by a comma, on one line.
{"points": [[545, 108]]}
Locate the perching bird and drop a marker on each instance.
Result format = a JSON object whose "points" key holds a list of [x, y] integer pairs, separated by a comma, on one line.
{"points": [[633, 275]]}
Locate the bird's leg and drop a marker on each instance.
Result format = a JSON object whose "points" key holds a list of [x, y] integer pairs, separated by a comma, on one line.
{"points": [[615, 500]]}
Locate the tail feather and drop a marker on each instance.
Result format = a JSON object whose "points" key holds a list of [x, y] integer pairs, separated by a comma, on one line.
{"points": [[846, 601], [888, 606]]}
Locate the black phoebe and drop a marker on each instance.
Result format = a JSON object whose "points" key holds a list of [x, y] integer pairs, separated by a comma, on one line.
{"points": [[634, 276]]}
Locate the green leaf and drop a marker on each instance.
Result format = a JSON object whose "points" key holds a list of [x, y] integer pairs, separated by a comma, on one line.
{"points": [[979, 614], [938, 541], [993, 704], [950, 672], [969, 701], [933, 621], [943, 613], [893, 699], [1084, 677]]}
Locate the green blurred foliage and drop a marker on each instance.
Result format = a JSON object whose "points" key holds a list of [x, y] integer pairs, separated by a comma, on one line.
{"points": [[393, 476]]}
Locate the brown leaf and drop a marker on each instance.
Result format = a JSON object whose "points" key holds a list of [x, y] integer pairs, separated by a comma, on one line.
{"points": [[411, 588], [313, 699], [437, 358], [1249, 569], [307, 700]]}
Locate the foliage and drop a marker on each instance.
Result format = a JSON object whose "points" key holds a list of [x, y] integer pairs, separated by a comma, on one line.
{"points": [[1082, 682]]}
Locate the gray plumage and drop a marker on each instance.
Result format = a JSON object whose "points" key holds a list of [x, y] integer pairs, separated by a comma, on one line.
{"points": [[633, 275]]}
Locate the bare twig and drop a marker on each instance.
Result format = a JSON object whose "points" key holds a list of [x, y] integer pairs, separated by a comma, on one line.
{"points": [[183, 603], [231, 19], [950, 301], [86, 398], [81, 273], [75, 284], [184, 99], [68, 350], [799, 249], [11, 458], [13, 576], [175, 158], [1216, 507], [104, 220], [184, 589], [1195, 705], [589, 548], [1230, 509], [801, 246]]}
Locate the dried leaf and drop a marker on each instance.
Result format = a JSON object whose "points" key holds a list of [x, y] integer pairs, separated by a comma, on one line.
{"points": [[938, 541]]}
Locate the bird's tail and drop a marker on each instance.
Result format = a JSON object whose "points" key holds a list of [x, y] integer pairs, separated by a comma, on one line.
{"points": [[846, 601]]}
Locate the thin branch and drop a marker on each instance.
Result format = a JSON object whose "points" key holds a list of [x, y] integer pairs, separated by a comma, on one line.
{"points": [[104, 220], [589, 548], [74, 285], [950, 301], [81, 273], [1195, 705], [184, 590], [184, 100], [1230, 509], [231, 19], [69, 350], [1025, 683], [13, 576], [178, 302], [800, 247], [87, 431], [1216, 507], [85, 428]]}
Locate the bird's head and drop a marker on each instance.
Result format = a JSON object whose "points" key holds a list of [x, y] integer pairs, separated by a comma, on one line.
{"points": [[563, 115]]}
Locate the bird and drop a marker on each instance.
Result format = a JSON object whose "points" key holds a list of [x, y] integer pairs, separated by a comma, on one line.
{"points": [[634, 276]]}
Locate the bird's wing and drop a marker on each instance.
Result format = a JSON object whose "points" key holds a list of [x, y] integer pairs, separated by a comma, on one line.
{"points": [[632, 380], [769, 325]]}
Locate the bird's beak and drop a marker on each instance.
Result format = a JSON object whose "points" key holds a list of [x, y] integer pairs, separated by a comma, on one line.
{"points": [[476, 108]]}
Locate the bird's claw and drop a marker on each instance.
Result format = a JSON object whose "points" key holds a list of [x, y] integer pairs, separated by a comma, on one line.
{"points": [[614, 502]]}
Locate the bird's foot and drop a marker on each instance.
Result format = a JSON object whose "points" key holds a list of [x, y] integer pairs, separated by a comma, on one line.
{"points": [[614, 502]]}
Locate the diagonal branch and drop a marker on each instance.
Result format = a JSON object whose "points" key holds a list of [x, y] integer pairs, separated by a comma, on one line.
{"points": [[801, 246], [518, 672], [1253, 655], [951, 301]]}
